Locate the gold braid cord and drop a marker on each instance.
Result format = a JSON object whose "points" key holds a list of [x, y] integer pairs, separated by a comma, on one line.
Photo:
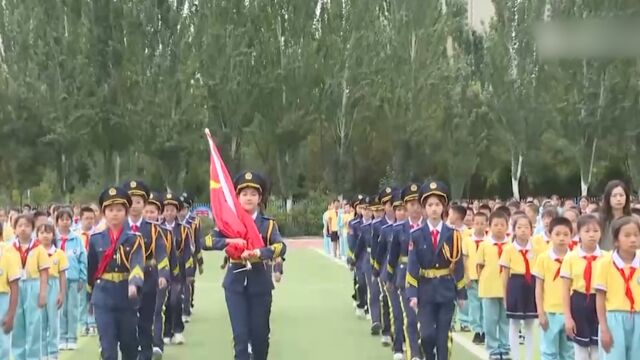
{"points": [[453, 256]]}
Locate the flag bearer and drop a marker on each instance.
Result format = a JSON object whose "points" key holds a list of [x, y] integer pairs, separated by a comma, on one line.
{"points": [[115, 278], [248, 291], [156, 270], [398, 259], [435, 275], [181, 235]]}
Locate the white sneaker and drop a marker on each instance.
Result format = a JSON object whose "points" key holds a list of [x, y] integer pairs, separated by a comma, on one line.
{"points": [[186, 319], [178, 339], [360, 313], [93, 331], [385, 340], [166, 341], [72, 346], [157, 354], [398, 356], [369, 317], [355, 304], [63, 346]]}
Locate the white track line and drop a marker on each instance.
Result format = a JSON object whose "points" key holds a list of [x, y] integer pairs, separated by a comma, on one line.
{"points": [[476, 350]]}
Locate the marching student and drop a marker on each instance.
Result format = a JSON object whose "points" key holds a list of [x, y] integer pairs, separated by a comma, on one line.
{"points": [[26, 341], [580, 317], [76, 278], [382, 232], [9, 292], [554, 344], [248, 292], [435, 275], [115, 277], [519, 285], [409, 218], [373, 283], [57, 287], [359, 296], [86, 229], [617, 292], [192, 220], [470, 247], [490, 288]]}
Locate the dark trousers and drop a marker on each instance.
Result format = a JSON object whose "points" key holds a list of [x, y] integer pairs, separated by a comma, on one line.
{"points": [[386, 309], [186, 299], [435, 329], [146, 313], [397, 319], [158, 317], [249, 315], [361, 289], [411, 334], [117, 326], [173, 310]]}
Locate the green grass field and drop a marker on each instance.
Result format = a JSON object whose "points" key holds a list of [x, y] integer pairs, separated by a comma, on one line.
{"points": [[312, 317]]}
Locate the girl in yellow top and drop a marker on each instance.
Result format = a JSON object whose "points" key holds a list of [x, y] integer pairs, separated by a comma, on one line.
{"points": [[578, 295], [554, 344], [56, 290], [26, 341], [9, 276], [617, 292], [490, 290], [544, 239], [518, 282]]}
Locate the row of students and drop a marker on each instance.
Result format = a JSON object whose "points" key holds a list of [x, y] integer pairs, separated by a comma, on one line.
{"points": [[551, 278]]}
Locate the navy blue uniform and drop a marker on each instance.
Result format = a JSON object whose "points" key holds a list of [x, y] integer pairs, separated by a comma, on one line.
{"points": [[181, 236], [164, 235], [354, 259], [156, 266], [196, 235], [248, 292], [116, 314], [435, 276], [395, 319]]}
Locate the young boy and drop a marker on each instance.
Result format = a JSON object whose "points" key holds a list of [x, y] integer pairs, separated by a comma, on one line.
{"points": [[554, 343], [490, 288], [470, 252]]}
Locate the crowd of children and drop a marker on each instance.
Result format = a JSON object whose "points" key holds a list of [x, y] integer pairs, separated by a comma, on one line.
{"points": [[526, 266], [44, 273]]}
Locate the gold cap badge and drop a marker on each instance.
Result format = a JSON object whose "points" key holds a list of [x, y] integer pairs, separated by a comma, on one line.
{"points": [[414, 187], [169, 196], [112, 191], [387, 190], [433, 185], [133, 184], [248, 176]]}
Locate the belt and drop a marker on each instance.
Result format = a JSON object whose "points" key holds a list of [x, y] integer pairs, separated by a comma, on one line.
{"points": [[256, 261], [115, 277], [434, 273], [404, 259]]}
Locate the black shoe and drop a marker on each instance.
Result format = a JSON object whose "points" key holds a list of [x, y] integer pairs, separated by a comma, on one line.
{"points": [[483, 339], [464, 328], [477, 339], [375, 329], [521, 339]]}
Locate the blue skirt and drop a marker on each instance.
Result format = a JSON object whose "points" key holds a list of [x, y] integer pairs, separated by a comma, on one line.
{"points": [[583, 312], [521, 298]]}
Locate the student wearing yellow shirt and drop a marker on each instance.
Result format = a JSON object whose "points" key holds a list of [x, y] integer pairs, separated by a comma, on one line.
{"points": [[554, 344], [470, 247], [519, 284], [490, 288], [332, 226], [543, 239], [57, 286], [9, 276], [617, 287], [578, 295], [26, 342], [343, 228]]}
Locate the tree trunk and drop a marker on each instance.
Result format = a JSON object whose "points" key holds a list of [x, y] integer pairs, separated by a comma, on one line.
{"points": [[117, 168], [585, 173], [516, 170]]}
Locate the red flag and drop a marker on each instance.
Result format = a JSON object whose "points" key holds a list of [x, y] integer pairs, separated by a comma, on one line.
{"points": [[232, 221]]}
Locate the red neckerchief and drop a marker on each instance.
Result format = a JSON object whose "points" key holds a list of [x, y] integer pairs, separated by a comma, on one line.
{"points": [[627, 284], [527, 266], [63, 241], [478, 242], [24, 254], [573, 244], [559, 261], [108, 255], [86, 236], [588, 270], [499, 245]]}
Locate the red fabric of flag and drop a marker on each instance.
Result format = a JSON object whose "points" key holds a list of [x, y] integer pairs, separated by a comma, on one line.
{"points": [[231, 220]]}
